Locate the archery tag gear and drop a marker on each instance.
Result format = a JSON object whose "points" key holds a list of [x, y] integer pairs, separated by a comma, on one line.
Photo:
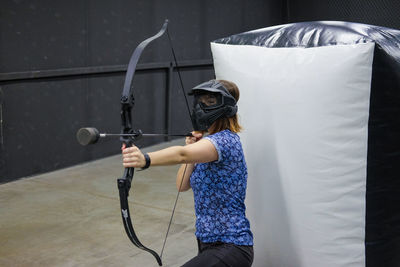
{"points": [[211, 102]]}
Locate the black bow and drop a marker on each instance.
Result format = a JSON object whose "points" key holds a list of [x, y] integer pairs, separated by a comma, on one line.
{"points": [[128, 135]]}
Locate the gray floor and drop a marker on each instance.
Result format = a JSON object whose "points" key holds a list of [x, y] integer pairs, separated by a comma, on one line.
{"points": [[71, 217]]}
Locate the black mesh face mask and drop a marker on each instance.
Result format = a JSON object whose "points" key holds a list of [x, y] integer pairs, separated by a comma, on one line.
{"points": [[211, 102]]}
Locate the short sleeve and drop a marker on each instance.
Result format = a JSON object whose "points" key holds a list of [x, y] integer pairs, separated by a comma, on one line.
{"points": [[213, 141], [222, 142]]}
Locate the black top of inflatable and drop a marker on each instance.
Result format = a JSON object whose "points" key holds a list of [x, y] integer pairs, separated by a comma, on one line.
{"points": [[320, 33]]}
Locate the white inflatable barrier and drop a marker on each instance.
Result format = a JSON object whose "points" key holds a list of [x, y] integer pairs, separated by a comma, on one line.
{"points": [[305, 108]]}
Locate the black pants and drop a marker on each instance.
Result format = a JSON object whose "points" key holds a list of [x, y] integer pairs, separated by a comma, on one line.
{"points": [[220, 254]]}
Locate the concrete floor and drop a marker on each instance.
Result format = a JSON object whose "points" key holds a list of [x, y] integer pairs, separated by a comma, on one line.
{"points": [[71, 217]]}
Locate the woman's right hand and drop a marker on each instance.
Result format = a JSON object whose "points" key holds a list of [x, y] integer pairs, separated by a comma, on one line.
{"points": [[193, 139]]}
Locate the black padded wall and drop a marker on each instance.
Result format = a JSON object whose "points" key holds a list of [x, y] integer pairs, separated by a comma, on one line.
{"points": [[60, 41], [382, 13], [39, 117]]}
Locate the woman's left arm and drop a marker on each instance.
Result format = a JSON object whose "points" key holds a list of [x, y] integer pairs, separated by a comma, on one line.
{"points": [[199, 152]]}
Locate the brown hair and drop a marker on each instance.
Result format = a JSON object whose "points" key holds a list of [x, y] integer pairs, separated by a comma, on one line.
{"points": [[224, 123]]}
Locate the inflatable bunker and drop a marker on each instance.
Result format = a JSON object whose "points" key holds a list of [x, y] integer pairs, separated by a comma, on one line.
{"points": [[320, 107]]}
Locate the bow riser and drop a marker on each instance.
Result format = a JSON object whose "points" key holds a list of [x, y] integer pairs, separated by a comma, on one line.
{"points": [[126, 124]]}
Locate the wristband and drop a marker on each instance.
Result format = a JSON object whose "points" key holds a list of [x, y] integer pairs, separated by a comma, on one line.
{"points": [[148, 161]]}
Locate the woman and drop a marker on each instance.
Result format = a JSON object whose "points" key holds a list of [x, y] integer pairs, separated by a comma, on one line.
{"points": [[215, 168]]}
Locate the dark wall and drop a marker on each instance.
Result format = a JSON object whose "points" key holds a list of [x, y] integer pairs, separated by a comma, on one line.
{"points": [[60, 41], [382, 13], [47, 46]]}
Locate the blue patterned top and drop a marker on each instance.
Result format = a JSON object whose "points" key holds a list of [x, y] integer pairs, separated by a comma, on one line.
{"points": [[219, 189]]}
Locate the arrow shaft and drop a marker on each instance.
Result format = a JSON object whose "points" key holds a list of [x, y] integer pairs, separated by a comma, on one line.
{"points": [[147, 134]]}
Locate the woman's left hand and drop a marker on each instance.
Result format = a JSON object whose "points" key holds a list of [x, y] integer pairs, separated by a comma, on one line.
{"points": [[132, 157]]}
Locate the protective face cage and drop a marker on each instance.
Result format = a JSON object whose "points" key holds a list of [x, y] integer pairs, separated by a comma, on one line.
{"points": [[211, 102]]}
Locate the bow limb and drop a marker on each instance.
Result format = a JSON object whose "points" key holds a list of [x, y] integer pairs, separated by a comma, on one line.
{"points": [[124, 184], [135, 58]]}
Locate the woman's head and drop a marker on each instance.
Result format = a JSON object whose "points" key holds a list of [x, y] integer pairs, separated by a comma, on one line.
{"points": [[230, 123], [214, 106]]}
